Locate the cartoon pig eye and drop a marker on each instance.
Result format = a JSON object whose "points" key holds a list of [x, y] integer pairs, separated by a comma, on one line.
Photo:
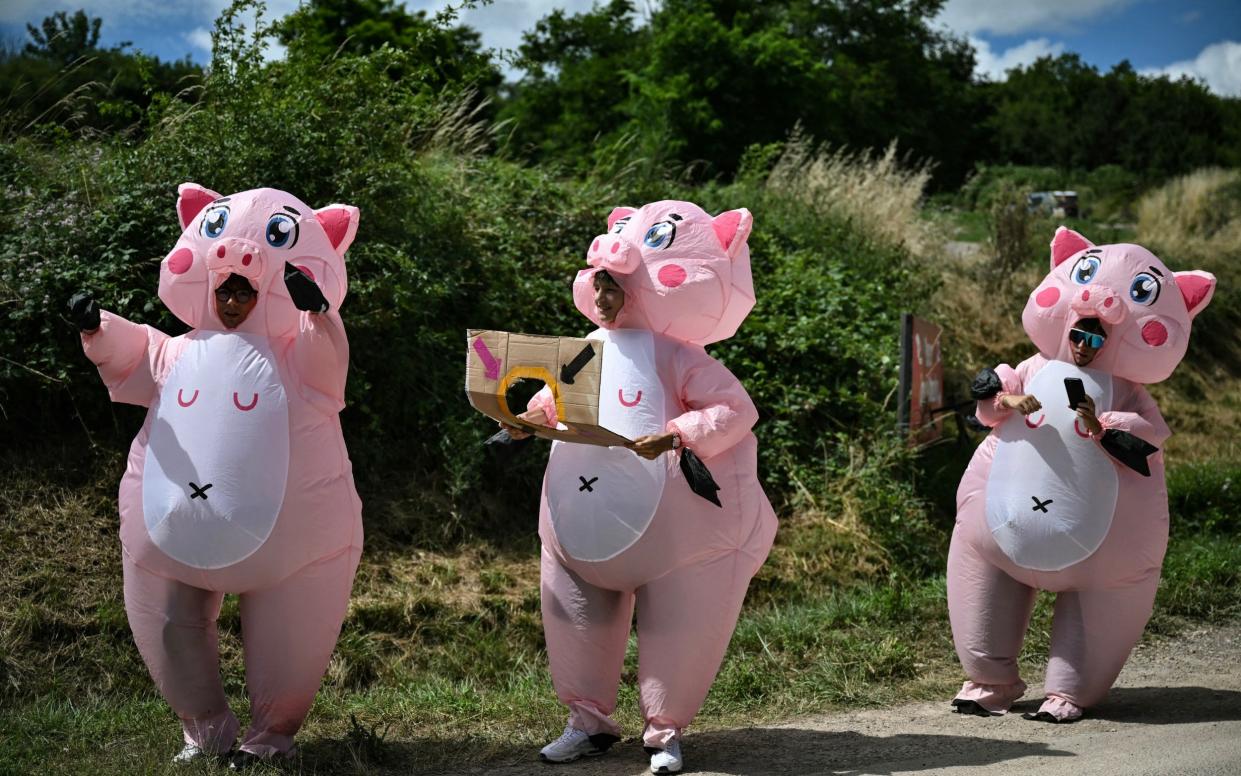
{"points": [[660, 235], [282, 231], [1145, 289], [1085, 270], [619, 225], [215, 221]]}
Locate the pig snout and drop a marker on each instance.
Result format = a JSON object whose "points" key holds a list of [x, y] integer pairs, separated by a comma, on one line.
{"points": [[614, 253], [234, 255], [1099, 302]]}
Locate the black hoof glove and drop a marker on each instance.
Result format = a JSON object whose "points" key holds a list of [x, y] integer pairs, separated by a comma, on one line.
{"points": [[986, 385], [84, 312], [303, 291]]}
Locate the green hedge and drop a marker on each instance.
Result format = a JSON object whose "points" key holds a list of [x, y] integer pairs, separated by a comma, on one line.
{"points": [[449, 239]]}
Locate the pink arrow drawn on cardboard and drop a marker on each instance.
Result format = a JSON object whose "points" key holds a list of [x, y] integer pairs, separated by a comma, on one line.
{"points": [[491, 364]]}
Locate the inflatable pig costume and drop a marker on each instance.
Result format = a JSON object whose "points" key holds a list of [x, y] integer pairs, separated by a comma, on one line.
{"points": [[239, 481], [618, 529], [1043, 505]]}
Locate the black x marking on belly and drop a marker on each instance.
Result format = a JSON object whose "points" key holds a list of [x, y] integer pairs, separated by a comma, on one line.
{"points": [[587, 483], [1039, 506], [199, 492]]}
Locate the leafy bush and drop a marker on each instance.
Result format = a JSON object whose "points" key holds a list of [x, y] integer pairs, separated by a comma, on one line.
{"points": [[449, 239]]}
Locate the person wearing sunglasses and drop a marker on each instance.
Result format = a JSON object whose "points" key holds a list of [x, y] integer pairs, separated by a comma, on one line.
{"points": [[1086, 339]]}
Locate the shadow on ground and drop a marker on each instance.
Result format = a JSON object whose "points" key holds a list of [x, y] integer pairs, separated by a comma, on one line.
{"points": [[1160, 705], [772, 751]]}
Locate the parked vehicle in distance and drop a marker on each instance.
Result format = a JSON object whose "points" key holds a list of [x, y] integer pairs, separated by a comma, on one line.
{"points": [[1057, 204]]}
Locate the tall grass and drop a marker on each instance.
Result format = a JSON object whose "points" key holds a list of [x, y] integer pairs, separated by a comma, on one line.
{"points": [[1199, 213], [879, 193]]}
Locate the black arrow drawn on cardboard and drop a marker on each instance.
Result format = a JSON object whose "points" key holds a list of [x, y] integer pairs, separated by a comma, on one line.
{"points": [[569, 371]]}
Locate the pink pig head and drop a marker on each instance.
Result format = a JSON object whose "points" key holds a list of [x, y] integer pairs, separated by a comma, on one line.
{"points": [[1145, 308], [685, 274], [253, 234]]}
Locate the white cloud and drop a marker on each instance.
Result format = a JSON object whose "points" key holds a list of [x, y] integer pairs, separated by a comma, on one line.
{"points": [[120, 12], [996, 66], [1218, 66], [1023, 16], [199, 38]]}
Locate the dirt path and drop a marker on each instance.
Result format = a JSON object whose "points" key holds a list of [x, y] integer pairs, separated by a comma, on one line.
{"points": [[1175, 710]]}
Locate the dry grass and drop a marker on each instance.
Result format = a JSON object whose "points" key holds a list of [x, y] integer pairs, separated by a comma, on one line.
{"points": [[1198, 214], [880, 194]]}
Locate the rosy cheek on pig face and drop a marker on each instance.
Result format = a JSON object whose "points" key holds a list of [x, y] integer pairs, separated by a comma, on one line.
{"points": [[180, 261], [1047, 297], [1154, 333], [671, 275]]}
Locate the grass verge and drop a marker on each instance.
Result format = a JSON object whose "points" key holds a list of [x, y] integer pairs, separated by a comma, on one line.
{"points": [[441, 660]]}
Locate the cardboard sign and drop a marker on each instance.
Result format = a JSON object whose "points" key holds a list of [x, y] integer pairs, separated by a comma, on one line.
{"points": [[569, 366]]}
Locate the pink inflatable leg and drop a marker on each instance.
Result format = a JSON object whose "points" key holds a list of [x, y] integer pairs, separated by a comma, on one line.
{"points": [[989, 612], [685, 621], [1091, 637], [174, 626], [289, 632], [587, 629]]}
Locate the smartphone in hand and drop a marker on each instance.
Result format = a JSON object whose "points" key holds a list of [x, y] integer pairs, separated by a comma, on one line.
{"points": [[1076, 390]]}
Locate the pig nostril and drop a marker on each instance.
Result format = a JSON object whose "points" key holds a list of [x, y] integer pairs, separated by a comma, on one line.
{"points": [[1108, 302], [220, 251], [1085, 296], [595, 247], [245, 260], [616, 246]]}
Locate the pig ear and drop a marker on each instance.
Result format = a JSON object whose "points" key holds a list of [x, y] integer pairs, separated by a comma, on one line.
{"points": [[1197, 288], [1065, 244], [341, 224], [733, 229], [191, 199], [617, 214]]}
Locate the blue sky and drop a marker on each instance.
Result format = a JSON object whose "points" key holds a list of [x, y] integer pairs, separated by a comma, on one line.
{"points": [[1199, 38]]}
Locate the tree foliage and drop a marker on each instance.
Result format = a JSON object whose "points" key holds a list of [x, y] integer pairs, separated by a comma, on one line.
{"points": [[1062, 112], [442, 55], [62, 79]]}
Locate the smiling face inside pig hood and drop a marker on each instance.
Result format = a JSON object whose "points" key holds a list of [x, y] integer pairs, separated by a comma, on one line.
{"points": [[253, 234], [1146, 309], [685, 274]]}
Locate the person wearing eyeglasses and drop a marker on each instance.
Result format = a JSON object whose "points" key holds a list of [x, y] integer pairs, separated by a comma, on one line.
{"points": [[234, 301], [1086, 338]]}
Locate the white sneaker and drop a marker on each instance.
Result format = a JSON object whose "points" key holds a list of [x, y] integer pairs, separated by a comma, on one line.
{"points": [[572, 744], [667, 760], [190, 753]]}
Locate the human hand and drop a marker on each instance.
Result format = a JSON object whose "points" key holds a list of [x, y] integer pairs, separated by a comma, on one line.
{"points": [[652, 446], [533, 417], [84, 312], [303, 291], [1086, 411], [1023, 403]]}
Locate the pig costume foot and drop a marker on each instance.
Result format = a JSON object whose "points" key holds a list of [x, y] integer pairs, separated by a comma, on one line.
{"points": [[986, 700], [239, 480], [1044, 505], [622, 533], [1055, 710]]}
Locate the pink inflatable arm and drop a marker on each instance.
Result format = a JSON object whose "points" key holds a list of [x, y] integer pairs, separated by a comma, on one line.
{"points": [[990, 413], [720, 414], [321, 356], [543, 400], [1145, 422], [125, 354]]}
